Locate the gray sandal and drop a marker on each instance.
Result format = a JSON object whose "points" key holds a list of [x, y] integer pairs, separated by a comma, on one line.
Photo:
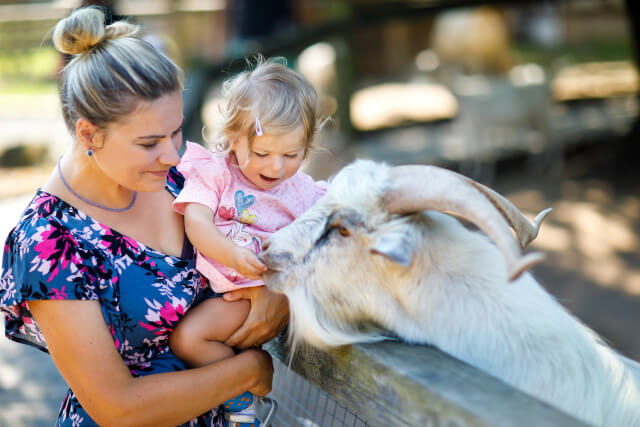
{"points": [[261, 409]]}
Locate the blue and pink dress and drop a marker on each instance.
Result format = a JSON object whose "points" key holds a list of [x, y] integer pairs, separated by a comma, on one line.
{"points": [[58, 252]]}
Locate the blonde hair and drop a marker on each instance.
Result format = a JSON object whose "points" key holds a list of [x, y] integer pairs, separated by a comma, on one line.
{"points": [[112, 70], [280, 98]]}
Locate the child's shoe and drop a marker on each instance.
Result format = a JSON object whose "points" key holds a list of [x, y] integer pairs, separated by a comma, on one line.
{"points": [[248, 410]]}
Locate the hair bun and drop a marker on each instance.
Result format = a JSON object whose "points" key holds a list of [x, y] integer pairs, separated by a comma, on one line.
{"points": [[121, 29], [80, 31]]}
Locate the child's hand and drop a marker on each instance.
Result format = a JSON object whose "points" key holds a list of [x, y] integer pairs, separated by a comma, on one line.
{"points": [[247, 263]]}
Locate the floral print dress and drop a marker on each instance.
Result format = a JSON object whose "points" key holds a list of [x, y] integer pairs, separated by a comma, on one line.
{"points": [[58, 252]]}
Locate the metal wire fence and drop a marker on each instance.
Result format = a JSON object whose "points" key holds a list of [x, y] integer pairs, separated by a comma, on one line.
{"points": [[300, 403]]}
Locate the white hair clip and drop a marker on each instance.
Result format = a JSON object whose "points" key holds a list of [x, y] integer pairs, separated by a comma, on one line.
{"points": [[258, 127]]}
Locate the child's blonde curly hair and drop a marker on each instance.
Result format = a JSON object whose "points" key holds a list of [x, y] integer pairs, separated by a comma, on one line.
{"points": [[280, 98]]}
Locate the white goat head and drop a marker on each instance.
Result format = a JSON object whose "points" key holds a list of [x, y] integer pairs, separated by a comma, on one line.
{"points": [[374, 258], [355, 238]]}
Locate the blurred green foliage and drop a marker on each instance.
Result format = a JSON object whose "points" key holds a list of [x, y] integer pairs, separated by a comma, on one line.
{"points": [[574, 53], [30, 70]]}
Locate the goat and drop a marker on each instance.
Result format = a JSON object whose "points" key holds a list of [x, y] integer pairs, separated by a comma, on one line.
{"points": [[378, 257]]}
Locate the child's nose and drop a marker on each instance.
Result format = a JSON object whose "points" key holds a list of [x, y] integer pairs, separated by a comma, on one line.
{"points": [[277, 164]]}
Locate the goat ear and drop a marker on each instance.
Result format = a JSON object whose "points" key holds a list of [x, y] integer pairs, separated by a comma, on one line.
{"points": [[396, 246]]}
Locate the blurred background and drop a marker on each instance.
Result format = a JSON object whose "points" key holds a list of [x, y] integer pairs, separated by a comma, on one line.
{"points": [[537, 99]]}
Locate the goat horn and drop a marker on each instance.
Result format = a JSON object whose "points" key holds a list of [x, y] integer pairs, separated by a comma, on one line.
{"points": [[415, 188], [525, 230]]}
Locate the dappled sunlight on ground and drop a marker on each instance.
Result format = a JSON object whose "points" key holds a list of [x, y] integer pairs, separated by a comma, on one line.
{"points": [[552, 238], [587, 235], [31, 390]]}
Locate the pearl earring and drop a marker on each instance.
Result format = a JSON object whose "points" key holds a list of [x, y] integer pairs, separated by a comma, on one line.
{"points": [[89, 152]]}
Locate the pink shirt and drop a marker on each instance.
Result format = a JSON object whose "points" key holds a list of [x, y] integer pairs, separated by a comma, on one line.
{"points": [[244, 213]]}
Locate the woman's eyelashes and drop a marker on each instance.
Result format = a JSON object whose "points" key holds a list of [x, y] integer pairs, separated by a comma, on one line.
{"points": [[153, 143], [149, 145]]}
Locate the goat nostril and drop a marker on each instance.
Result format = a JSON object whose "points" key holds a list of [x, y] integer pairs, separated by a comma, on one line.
{"points": [[265, 246], [276, 261]]}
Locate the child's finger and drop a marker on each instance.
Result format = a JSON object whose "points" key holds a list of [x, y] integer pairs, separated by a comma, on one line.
{"points": [[250, 271], [252, 274], [257, 264]]}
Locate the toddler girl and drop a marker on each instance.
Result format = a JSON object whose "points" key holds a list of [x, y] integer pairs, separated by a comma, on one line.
{"points": [[232, 203]]}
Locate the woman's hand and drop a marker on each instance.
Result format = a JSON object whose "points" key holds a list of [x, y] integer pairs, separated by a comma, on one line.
{"points": [[269, 313], [247, 263], [265, 380]]}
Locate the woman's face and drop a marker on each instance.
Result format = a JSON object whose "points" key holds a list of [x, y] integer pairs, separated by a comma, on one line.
{"points": [[273, 158], [138, 150]]}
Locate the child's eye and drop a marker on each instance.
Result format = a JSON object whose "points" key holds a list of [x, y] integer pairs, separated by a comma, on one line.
{"points": [[149, 145], [260, 154], [291, 156]]}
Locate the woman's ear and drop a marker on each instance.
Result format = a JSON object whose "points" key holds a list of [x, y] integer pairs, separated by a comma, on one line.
{"points": [[88, 134]]}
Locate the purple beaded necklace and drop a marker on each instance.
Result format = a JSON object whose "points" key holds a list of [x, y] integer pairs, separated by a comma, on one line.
{"points": [[135, 195]]}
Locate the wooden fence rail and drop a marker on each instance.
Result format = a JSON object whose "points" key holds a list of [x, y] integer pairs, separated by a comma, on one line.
{"points": [[396, 384]]}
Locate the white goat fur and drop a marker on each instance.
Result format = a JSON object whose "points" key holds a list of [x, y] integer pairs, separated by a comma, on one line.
{"points": [[453, 294]]}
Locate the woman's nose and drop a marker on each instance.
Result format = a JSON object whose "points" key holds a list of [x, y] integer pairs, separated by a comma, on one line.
{"points": [[170, 154]]}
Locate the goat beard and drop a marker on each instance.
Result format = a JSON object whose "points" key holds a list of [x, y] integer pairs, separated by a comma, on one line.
{"points": [[312, 324]]}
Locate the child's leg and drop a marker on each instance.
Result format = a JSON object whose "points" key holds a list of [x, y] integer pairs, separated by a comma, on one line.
{"points": [[199, 338]]}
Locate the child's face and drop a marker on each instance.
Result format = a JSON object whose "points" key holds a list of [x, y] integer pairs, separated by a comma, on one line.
{"points": [[273, 158]]}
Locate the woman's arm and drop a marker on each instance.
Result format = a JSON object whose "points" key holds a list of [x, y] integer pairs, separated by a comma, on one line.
{"points": [[85, 354], [205, 236], [268, 315]]}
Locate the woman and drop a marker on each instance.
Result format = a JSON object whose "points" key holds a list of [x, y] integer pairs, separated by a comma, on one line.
{"points": [[98, 270]]}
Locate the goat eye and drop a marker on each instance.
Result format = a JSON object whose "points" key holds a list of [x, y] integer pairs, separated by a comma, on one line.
{"points": [[344, 231]]}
